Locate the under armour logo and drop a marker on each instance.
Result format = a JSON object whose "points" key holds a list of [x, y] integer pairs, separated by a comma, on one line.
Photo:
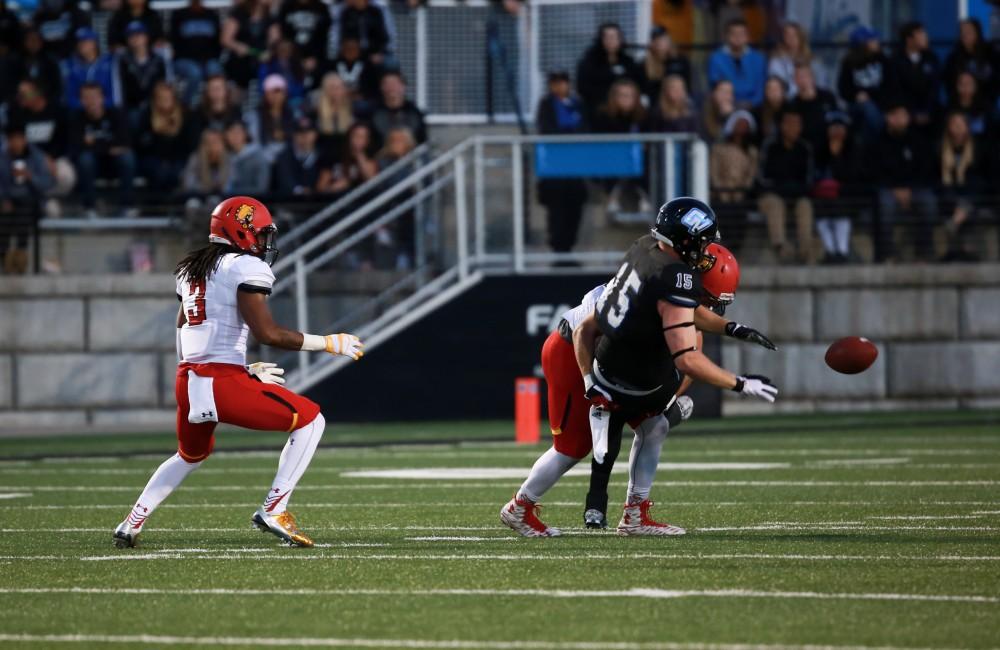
{"points": [[208, 414]]}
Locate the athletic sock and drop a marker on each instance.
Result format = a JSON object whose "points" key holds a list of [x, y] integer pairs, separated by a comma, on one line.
{"points": [[170, 474], [545, 473], [645, 456], [292, 465]]}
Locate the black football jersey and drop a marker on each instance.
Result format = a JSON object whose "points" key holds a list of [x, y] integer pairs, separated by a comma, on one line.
{"points": [[632, 351]]}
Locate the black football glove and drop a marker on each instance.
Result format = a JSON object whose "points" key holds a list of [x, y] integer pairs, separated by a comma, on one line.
{"points": [[744, 333]]}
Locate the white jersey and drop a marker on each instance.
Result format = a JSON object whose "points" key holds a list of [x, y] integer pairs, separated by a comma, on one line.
{"points": [[576, 315], [215, 331]]}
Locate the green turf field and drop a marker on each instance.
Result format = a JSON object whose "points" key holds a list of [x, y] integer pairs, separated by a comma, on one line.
{"points": [[831, 532]]}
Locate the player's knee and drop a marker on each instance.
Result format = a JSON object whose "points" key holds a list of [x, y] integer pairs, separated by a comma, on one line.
{"points": [[308, 412], [194, 457], [575, 449], [654, 429], [603, 469]]}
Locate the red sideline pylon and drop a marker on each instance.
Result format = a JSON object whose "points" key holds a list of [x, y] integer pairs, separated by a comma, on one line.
{"points": [[527, 411]]}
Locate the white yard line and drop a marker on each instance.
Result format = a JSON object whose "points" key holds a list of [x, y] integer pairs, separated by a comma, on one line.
{"points": [[468, 538], [929, 517], [403, 485], [806, 526], [861, 462], [437, 504], [14, 495], [450, 644], [528, 556], [638, 592]]}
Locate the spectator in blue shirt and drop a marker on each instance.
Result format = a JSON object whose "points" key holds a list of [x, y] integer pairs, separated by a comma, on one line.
{"points": [[739, 63], [88, 66], [561, 113]]}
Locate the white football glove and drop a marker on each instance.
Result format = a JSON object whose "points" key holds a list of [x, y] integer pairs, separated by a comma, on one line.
{"points": [[756, 386], [268, 373], [347, 345], [686, 406]]}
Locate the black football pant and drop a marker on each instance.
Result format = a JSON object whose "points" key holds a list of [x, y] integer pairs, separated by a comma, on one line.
{"points": [[600, 473]]}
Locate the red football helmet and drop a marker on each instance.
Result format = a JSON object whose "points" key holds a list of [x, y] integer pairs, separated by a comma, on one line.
{"points": [[719, 282], [245, 223]]}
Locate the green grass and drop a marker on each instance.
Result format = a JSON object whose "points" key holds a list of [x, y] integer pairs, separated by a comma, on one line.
{"points": [[919, 519]]}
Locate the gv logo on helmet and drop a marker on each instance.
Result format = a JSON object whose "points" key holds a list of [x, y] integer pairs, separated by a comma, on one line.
{"points": [[696, 220]]}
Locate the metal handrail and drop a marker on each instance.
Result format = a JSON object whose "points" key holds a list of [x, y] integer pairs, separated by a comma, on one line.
{"points": [[465, 261], [370, 229], [354, 194], [362, 212]]}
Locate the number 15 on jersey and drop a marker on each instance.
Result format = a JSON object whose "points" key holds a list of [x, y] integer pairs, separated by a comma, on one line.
{"points": [[625, 282]]}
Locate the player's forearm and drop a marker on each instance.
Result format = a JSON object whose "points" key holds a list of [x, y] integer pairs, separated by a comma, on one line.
{"points": [[707, 320], [698, 367], [279, 337], [584, 346]]}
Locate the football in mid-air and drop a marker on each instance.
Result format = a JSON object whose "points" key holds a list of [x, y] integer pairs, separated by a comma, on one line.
{"points": [[851, 355]]}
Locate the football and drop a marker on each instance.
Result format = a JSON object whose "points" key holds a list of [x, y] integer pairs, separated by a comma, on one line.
{"points": [[851, 355]]}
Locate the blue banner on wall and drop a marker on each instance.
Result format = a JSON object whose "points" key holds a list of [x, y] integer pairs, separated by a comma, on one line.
{"points": [[589, 160]]}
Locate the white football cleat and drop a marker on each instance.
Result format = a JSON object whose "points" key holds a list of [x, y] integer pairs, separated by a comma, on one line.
{"points": [[519, 515], [126, 535], [636, 521], [281, 525]]}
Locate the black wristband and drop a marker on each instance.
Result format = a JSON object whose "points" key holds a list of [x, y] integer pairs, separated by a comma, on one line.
{"points": [[731, 327], [673, 415], [738, 388]]}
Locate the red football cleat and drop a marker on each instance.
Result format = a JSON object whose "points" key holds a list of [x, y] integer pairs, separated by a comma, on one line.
{"points": [[636, 521], [519, 515]]}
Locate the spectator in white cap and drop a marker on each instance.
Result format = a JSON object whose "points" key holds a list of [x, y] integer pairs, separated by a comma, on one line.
{"points": [[271, 125]]}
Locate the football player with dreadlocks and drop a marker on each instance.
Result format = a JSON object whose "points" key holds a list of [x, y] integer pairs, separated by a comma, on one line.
{"points": [[223, 289], [648, 340]]}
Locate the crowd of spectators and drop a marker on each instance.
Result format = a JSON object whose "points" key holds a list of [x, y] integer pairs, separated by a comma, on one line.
{"points": [[285, 98], [301, 99], [896, 136]]}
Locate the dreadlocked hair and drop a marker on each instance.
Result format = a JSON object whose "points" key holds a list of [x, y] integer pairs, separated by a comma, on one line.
{"points": [[201, 263]]}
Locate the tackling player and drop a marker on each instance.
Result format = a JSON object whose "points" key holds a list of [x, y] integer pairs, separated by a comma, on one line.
{"points": [[569, 420], [719, 284], [646, 316], [223, 290]]}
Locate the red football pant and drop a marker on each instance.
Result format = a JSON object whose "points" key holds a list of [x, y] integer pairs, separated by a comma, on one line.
{"points": [[240, 399], [569, 410]]}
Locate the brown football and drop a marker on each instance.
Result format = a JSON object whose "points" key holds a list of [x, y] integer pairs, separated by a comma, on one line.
{"points": [[851, 355]]}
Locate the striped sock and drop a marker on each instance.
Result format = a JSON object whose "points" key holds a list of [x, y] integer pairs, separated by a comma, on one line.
{"points": [[292, 465], [167, 477]]}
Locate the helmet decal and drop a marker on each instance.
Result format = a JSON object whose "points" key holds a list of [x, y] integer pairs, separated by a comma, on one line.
{"points": [[696, 220], [244, 216]]}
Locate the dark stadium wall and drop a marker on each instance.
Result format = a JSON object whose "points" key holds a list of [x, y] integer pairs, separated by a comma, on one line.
{"points": [[460, 361]]}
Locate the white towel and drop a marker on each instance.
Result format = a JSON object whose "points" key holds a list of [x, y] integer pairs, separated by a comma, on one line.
{"points": [[201, 399], [599, 421]]}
